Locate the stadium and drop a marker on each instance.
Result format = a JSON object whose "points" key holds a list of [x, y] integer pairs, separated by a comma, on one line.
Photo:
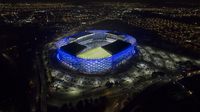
{"points": [[95, 51]]}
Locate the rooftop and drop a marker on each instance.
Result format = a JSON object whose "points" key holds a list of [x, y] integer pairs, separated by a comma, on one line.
{"points": [[73, 48]]}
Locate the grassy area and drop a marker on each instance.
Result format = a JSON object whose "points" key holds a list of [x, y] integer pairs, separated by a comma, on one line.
{"points": [[95, 53]]}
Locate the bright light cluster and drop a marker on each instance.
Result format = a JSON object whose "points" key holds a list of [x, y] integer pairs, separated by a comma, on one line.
{"points": [[101, 65]]}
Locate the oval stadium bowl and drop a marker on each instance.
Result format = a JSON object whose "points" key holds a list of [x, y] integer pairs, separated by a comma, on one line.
{"points": [[96, 51]]}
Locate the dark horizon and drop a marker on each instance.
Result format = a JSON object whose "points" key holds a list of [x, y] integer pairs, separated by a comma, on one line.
{"points": [[58, 1], [151, 3]]}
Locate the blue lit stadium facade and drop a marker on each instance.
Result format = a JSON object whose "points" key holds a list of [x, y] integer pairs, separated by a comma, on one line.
{"points": [[100, 65]]}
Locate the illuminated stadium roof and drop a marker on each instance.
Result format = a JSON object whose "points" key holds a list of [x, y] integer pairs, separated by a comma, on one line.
{"points": [[80, 34], [96, 51]]}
